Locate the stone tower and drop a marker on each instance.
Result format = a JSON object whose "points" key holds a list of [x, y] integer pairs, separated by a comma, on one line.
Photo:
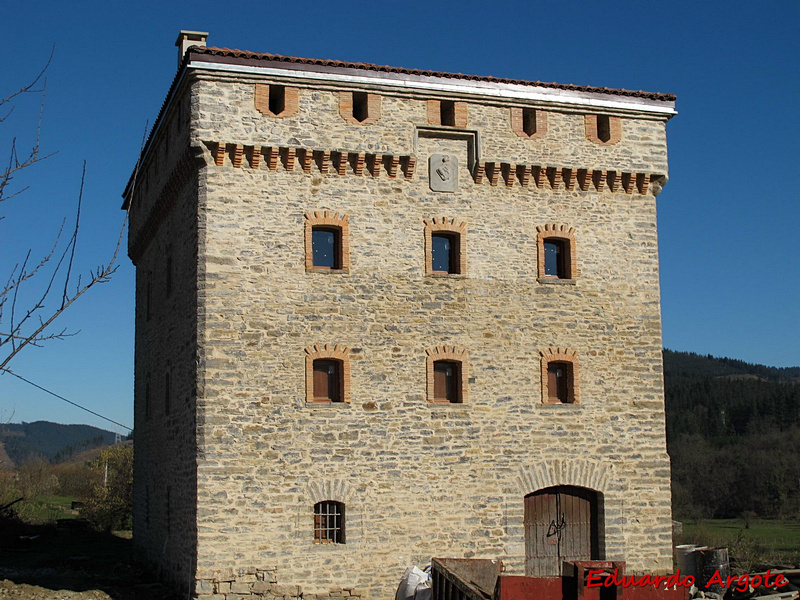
{"points": [[388, 314]]}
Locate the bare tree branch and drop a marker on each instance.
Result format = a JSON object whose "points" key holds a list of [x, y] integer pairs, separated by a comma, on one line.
{"points": [[30, 313]]}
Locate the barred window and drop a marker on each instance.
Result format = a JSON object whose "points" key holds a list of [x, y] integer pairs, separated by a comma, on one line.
{"points": [[329, 522]]}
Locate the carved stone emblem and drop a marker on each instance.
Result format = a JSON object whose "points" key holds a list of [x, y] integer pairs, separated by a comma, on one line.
{"points": [[443, 173]]}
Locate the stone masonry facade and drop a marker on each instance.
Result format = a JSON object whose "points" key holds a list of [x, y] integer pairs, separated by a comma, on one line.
{"points": [[233, 451]]}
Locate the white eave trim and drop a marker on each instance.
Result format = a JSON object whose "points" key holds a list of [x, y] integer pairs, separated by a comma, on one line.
{"points": [[507, 91]]}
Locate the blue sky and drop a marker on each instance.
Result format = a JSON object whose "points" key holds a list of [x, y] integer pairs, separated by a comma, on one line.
{"points": [[728, 218]]}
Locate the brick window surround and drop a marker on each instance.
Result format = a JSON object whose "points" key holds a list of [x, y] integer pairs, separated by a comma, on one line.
{"points": [[565, 234], [327, 220], [524, 118], [291, 100], [340, 354], [603, 129], [458, 231], [371, 109], [435, 110], [569, 359], [451, 354]]}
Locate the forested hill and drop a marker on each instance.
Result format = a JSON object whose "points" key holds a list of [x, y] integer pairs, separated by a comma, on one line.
{"points": [[724, 397], [733, 433], [53, 441]]}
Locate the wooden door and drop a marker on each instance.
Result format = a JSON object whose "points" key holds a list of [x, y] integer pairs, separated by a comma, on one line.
{"points": [[561, 523]]}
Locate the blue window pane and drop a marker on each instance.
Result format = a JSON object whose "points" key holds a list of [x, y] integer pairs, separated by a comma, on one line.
{"points": [[441, 253], [323, 244], [552, 259]]}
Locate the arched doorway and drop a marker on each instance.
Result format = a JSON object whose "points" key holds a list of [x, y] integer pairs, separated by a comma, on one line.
{"points": [[561, 523]]}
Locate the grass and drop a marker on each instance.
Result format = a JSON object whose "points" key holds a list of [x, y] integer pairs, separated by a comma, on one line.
{"points": [[46, 509], [767, 542]]}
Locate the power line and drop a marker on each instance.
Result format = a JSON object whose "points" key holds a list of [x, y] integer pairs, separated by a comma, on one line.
{"points": [[67, 401]]}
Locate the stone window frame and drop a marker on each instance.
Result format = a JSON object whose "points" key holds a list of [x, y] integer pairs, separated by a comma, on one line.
{"points": [[326, 352], [291, 100], [340, 532], [517, 124], [563, 233], [347, 101], [615, 129], [560, 355], [328, 220], [447, 353], [434, 113], [448, 226]]}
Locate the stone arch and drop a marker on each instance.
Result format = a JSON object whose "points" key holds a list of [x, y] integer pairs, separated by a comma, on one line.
{"points": [[579, 472], [336, 489]]}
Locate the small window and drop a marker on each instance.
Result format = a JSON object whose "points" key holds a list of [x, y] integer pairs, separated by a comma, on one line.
{"points": [[446, 381], [558, 381], [445, 246], [445, 253], [329, 522], [327, 241], [447, 113], [327, 380], [277, 99], [603, 128], [556, 248], [560, 376], [167, 392], [555, 258], [326, 247], [529, 121], [360, 106]]}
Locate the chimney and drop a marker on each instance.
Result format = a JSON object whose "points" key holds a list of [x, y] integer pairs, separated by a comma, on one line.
{"points": [[189, 38]]}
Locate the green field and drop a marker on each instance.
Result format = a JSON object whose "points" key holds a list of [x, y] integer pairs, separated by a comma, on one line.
{"points": [[46, 509], [766, 542]]}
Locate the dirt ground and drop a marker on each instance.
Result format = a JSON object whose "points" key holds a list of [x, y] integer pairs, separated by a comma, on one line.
{"points": [[65, 564]]}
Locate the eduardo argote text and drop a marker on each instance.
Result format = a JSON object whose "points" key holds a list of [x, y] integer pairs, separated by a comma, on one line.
{"points": [[600, 578]]}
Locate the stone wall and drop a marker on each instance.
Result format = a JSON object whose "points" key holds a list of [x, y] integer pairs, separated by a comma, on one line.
{"points": [[418, 479], [163, 240]]}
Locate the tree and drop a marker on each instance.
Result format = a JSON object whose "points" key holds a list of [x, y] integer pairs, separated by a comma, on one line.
{"points": [[110, 505], [39, 290]]}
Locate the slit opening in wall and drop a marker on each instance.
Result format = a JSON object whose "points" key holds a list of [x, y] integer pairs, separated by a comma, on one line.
{"points": [[603, 128], [529, 121], [277, 99], [447, 113], [360, 106]]}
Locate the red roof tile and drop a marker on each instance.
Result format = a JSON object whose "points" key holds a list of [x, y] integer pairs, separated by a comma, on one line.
{"points": [[256, 56]]}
